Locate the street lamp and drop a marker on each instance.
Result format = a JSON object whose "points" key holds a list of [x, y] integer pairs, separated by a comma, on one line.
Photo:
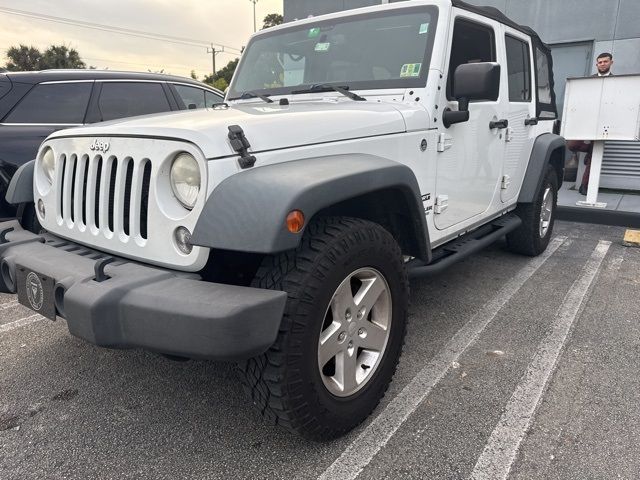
{"points": [[254, 14]]}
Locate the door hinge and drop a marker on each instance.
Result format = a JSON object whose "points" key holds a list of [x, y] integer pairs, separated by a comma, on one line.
{"points": [[506, 181], [442, 202], [444, 142]]}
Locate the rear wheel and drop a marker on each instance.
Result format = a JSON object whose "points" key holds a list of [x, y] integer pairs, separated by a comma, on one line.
{"points": [[533, 236], [341, 333]]}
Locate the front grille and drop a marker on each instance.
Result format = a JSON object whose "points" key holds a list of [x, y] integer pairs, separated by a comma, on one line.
{"points": [[105, 194]]}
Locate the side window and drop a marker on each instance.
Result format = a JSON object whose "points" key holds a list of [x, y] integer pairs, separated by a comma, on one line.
{"points": [[55, 103], [519, 70], [211, 99], [472, 43], [127, 99], [191, 96], [545, 107]]}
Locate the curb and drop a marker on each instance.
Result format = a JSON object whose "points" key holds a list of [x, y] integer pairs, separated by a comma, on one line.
{"points": [[599, 216]]}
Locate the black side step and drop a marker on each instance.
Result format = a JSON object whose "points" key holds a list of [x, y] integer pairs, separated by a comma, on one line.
{"points": [[463, 246]]}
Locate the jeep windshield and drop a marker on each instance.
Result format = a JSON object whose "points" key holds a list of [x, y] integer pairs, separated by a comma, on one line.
{"points": [[381, 50]]}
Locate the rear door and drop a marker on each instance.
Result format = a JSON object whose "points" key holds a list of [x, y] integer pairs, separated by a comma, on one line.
{"points": [[116, 99], [46, 108], [520, 110]]}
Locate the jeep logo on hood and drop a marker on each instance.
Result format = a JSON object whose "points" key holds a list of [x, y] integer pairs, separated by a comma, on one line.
{"points": [[99, 146]]}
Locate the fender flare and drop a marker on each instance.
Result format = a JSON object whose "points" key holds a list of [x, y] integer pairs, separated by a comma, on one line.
{"points": [[20, 188], [540, 156], [247, 211]]}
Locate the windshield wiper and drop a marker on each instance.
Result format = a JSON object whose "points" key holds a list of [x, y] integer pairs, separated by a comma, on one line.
{"points": [[249, 94], [327, 87]]}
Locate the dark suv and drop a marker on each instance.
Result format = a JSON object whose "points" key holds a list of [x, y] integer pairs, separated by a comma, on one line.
{"points": [[35, 104]]}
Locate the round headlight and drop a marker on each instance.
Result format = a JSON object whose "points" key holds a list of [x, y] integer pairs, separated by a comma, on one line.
{"points": [[185, 179], [48, 164]]}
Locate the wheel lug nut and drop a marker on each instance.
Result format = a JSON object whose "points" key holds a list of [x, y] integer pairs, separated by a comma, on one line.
{"points": [[361, 313], [361, 332], [347, 315], [342, 336]]}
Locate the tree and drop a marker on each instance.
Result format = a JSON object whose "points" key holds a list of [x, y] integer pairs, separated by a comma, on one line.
{"points": [[24, 58], [193, 75], [272, 20], [224, 73], [61, 56]]}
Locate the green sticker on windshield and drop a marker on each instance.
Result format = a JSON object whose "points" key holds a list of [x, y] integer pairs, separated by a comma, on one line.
{"points": [[411, 70], [424, 28], [322, 47], [314, 32]]}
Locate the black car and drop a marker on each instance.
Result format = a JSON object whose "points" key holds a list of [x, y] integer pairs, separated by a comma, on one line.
{"points": [[35, 104]]}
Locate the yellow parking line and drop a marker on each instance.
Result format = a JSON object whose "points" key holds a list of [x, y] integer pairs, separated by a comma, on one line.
{"points": [[631, 238]]}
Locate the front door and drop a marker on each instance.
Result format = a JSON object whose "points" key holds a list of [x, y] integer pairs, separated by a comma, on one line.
{"points": [[469, 164]]}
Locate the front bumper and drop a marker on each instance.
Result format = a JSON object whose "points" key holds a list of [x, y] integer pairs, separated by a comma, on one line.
{"points": [[141, 306]]}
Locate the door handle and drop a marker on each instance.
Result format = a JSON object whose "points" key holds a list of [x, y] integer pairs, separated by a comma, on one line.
{"points": [[530, 121], [504, 123]]}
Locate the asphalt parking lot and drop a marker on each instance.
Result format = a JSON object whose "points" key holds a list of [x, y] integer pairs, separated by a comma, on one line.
{"points": [[513, 367]]}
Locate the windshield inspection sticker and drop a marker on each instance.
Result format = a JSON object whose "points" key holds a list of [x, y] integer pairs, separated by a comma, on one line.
{"points": [[322, 47], [411, 70], [314, 32], [424, 28]]}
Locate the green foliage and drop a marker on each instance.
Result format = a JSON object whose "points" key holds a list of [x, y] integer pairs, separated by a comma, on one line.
{"points": [[221, 84], [193, 75], [224, 73], [272, 20], [24, 58]]}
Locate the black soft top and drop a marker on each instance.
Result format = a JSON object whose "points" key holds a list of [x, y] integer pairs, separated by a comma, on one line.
{"points": [[494, 13]]}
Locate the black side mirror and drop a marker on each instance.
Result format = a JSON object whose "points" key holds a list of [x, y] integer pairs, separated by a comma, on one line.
{"points": [[472, 81]]}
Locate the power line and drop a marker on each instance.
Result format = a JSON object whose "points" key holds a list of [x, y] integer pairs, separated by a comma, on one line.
{"points": [[110, 28]]}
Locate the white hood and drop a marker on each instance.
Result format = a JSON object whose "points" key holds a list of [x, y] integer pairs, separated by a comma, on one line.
{"points": [[266, 126]]}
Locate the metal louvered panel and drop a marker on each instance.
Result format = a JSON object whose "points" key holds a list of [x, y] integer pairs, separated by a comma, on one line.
{"points": [[621, 165]]}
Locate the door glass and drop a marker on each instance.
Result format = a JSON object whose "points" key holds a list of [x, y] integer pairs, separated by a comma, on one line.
{"points": [[472, 43], [191, 96], [212, 99], [55, 103], [127, 99], [519, 70]]}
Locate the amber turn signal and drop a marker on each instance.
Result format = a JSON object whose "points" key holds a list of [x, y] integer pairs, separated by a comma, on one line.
{"points": [[295, 221]]}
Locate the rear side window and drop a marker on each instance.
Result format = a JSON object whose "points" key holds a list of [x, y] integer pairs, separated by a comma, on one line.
{"points": [[472, 43], [519, 68], [212, 99], [191, 96], [128, 99], [55, 103], [5, 85], [546, 108]]}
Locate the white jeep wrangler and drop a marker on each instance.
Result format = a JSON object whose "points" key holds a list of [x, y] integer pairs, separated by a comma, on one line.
{"points": [[280, 230]]}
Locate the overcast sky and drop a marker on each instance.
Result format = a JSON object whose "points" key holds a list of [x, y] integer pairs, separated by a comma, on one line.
{"points": [[222, 22]]}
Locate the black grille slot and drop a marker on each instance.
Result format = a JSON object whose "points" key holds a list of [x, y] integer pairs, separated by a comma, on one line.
{"points": [[85, 180], [127, 196], [74, 159], [144, 198], [96, 213], [112, 192], [63, 162]]}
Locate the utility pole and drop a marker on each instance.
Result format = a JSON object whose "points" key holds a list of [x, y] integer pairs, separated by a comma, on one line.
{"points": [[254, 15], [213, 51]]}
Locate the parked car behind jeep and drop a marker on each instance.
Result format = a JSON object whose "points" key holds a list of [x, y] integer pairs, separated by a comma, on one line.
{"points": [[35, 104]]}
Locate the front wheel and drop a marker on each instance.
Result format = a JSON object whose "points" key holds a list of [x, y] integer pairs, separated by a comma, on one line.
{"points": [[533, 236], [342, 330]]}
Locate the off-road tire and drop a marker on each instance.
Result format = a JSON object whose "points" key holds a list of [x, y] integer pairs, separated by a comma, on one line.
{"points": [[527, 239], [285, 383]]}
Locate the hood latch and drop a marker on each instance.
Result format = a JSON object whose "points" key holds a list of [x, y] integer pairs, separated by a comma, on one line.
{"points": [[241, 145]]}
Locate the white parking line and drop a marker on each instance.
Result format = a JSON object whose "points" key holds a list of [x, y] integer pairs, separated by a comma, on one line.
{"points": [[501, 449], [9, 304], [7, 327], [375, 436]]}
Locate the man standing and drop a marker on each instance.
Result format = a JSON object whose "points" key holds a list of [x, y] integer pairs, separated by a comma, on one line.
{"points": [[603, 66]]}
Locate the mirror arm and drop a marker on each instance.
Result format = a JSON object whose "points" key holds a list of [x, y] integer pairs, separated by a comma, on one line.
{"points": [[449, 117]]}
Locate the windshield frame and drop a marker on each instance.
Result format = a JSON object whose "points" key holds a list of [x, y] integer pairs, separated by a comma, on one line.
{"points": [[396, 83]]}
